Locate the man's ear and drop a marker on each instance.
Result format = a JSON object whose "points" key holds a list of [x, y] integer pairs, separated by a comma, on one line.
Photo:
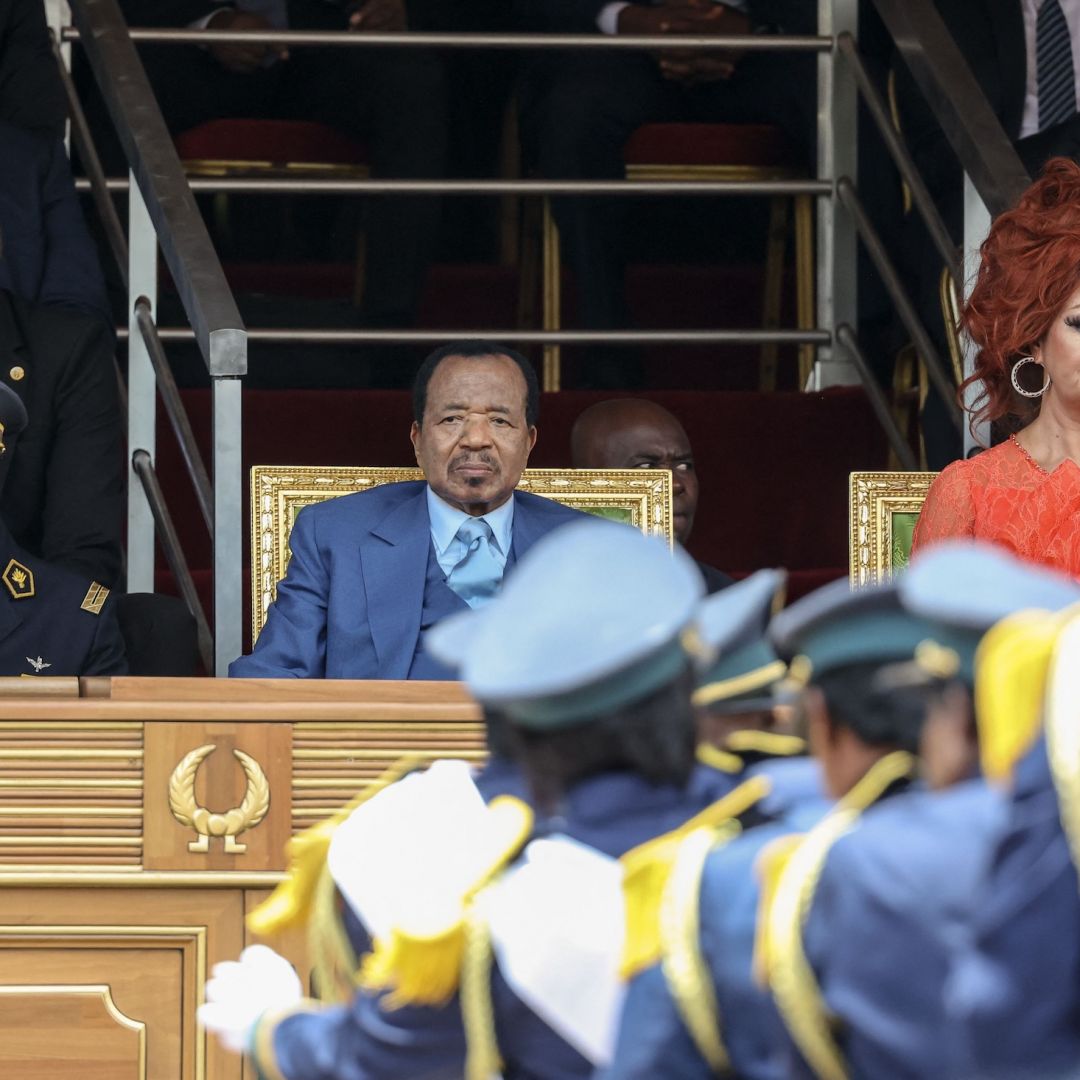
{"points": [[819, 728], [414, 438], [532, 438]]}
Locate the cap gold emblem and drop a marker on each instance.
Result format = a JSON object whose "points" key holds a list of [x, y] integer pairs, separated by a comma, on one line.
{"points": [[17, 373]]}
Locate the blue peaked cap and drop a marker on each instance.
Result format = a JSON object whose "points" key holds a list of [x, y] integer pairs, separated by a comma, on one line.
{"points": [[591, 620], [975, 585], [743, 671]]}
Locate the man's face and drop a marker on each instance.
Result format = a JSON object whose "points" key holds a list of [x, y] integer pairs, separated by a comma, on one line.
{"points": [[474, 441], [658, 442]]}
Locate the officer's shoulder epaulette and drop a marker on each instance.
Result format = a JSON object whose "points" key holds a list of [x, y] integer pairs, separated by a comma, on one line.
{"points": [[95, 598]]}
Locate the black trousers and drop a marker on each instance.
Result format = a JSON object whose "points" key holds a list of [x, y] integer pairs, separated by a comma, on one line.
{"points": [[392, 99], [579, 109]]}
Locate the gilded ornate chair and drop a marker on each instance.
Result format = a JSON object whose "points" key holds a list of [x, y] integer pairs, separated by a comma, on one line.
{"points": [[883, 509], [637, 497]]}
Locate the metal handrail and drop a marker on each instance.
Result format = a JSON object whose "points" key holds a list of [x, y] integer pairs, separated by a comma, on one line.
{"points": [[294, 335], [418, 39], [143, 465], [174, 408], [902, 159], [633, 188], [969, 123], [847, 337], [845, 192], [146, 142]]}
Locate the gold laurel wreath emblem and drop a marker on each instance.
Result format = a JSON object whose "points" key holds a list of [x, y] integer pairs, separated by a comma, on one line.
{"points": [[207, 824]]}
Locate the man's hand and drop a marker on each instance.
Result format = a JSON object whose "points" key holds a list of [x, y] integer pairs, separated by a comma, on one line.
{"points": [[379, 16], [689, 17], [243, 59]]}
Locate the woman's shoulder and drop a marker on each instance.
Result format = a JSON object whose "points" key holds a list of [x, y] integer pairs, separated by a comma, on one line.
{"points": [[987, 467]]}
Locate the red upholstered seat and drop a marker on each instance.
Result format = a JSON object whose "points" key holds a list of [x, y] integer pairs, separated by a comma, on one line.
{"points": [[762, 145], [277, 142]]}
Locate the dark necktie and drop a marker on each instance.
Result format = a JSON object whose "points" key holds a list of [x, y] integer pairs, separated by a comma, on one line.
{"points": [[477, 575], [1054, 66]]}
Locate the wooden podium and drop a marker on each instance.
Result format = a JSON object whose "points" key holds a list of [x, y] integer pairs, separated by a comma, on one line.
{"points": [[141, 819]]}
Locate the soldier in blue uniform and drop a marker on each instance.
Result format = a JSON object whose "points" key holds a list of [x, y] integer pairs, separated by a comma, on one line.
{"points": [[869, 912], [701, 1012], [52, 622], [1012, 994], [587, 656]]}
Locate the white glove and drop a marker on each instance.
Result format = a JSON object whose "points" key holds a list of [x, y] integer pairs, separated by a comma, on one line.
{"points": [[240, 991]]}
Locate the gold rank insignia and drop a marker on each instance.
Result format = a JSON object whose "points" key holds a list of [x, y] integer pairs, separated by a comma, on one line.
{"points": [[19, 579], [95, 598]]}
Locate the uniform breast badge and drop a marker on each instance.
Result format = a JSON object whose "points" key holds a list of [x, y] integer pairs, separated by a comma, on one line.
{"points": [[95, 598], [38, 664], [19, 580], [233, 822]]}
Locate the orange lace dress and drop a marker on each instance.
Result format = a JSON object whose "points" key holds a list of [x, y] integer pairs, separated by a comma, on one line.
{"points": [[1005, 497]]}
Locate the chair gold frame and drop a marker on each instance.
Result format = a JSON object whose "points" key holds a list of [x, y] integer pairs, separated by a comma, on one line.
{"points": [[637, 497], [883, 509], [774, 261]]}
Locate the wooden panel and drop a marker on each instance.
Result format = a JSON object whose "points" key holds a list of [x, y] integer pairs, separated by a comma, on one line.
{"points": [[332, 762], [152, 948], [353, 691], [52, 1031], [70, 795], [239, 774]]}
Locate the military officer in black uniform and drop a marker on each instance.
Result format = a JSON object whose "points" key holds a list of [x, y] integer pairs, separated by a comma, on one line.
{"points": [[52, 621]]}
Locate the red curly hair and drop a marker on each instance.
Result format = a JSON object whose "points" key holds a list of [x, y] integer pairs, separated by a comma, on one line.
{"points": [[1030, 267]]}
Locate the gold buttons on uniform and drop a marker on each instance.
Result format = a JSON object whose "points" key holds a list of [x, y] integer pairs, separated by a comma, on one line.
{"points": [[17, 373]]}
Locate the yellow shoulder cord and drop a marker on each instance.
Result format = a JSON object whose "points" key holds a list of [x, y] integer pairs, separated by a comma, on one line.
{"points": [[791, 978], [482, 1058], [290, 903], [721, 760], [333, 959], [685, 971], [1063, 731]]}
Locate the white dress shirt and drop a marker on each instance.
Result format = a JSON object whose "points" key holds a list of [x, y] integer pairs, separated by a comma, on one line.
{"points": [[1029, 125]]}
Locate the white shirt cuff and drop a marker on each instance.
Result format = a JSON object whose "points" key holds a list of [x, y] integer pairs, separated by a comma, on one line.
{"points": [[201, 24], [608, 19]]}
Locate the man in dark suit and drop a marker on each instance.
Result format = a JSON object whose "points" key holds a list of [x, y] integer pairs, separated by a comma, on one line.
{"points": [[65, 494], [31, 94], [371, 573], [632, 433], [52, 622], [46, 254], [391, 100], [579, 108]]}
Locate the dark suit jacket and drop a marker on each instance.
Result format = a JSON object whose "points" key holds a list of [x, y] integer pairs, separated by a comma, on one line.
{"points": [[349, 606], [44, 627], [46, 254], [31, 94], [64, 496]]}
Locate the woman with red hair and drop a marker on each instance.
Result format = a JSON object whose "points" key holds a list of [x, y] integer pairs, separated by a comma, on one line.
{"points": [[1024, 316]]}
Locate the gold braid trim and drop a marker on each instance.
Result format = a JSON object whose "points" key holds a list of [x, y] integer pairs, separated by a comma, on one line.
{"points": [[482, 1057], [333, 958], [685, 971], [765, 742], [791, 978], [1063, 732], [721, 760]]}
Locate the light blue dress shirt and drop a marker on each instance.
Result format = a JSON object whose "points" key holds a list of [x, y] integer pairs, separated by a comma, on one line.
{"points": [[446, 520]]}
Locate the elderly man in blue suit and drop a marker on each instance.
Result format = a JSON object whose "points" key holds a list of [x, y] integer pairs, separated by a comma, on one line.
{"points": [[371, 573]]}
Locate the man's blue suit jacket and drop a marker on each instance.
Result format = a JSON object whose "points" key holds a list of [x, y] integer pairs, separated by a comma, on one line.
{"points": [[350, 605]]}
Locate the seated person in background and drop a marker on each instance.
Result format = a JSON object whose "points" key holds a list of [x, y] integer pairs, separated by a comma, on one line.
{"points": [[1023, 313], [578, 109], [31, 94], [584, 656], [632, 433], [392, 100], [46, 254], [371, 573], [52, 622], [65, 494]]}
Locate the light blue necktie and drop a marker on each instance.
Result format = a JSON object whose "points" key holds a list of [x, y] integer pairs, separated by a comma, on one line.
{"points": [[476, 577], [1054, 66]]}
